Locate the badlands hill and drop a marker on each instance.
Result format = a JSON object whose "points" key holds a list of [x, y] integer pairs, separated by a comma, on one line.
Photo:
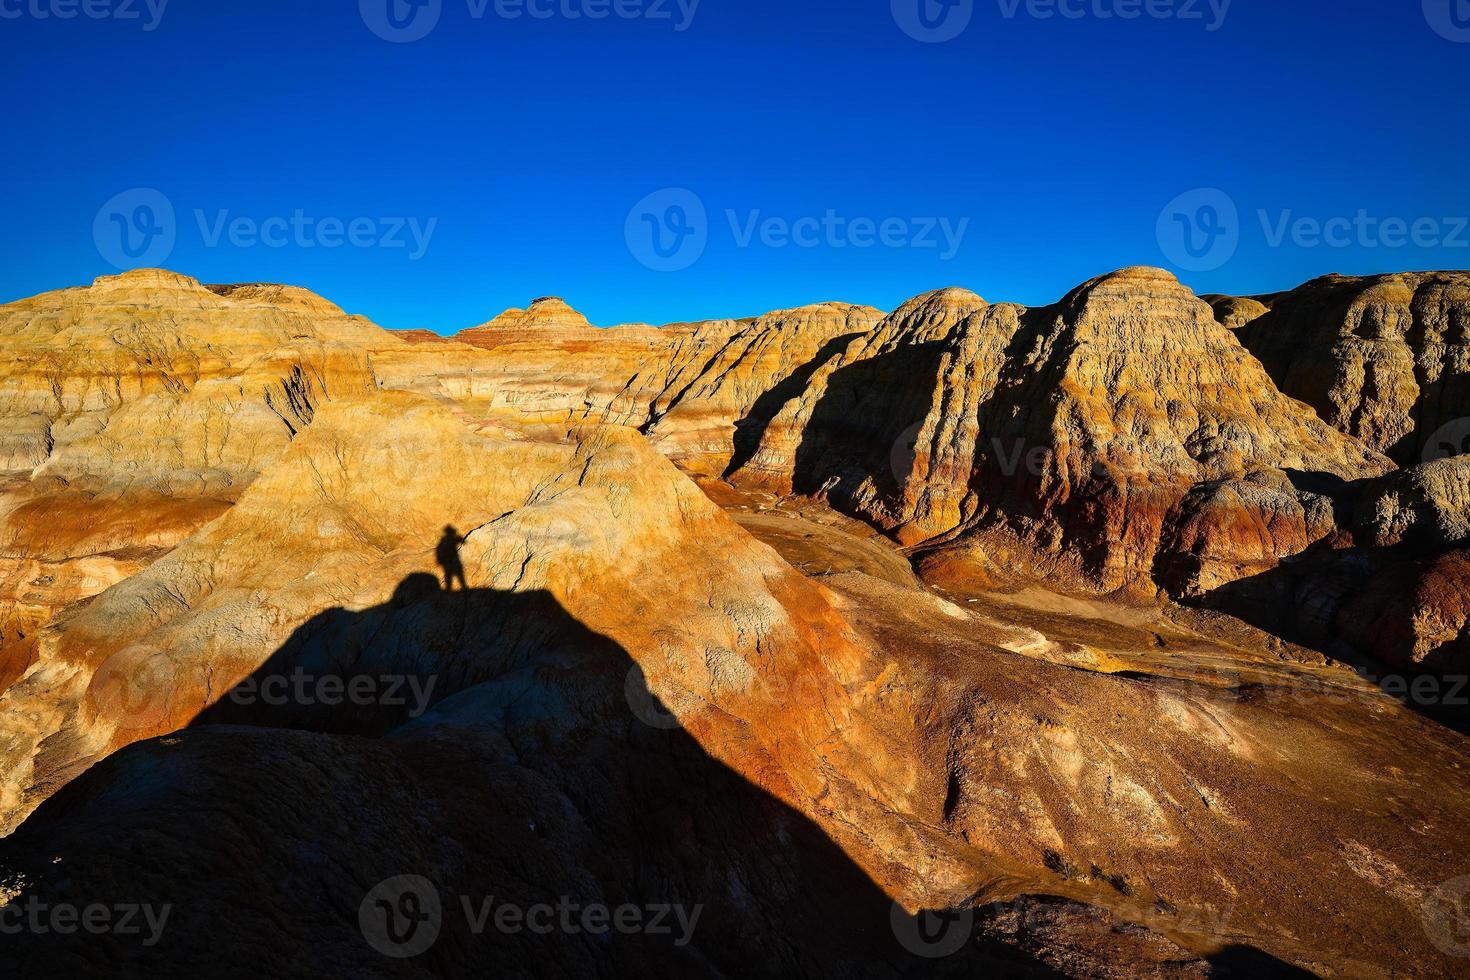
{"points": [[1384, 358], [801, 624]]}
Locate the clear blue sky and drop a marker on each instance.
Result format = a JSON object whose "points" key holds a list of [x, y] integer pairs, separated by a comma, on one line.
{"points": [[530, 140]]}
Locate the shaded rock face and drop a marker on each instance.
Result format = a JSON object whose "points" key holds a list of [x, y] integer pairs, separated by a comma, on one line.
{"points": [[1072, 438], [1426, 507], [1389, 583], [705, 419], [1383, 358]]}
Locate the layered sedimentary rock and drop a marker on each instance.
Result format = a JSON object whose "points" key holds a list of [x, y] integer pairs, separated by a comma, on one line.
{"points": [[547, 363], [1384, 358], [1234, 312], [702, 391], [898, 367], [705, 418], [1389, 583], [134, 411], [345, 517], [605, 689], [550, 313], [1426, 507], [1072, 439]]}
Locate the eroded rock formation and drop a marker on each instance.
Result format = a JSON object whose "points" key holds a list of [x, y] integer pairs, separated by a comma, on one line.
{"points": [[135, 411], [1070, 440], [617, 687], [1383, 358]]}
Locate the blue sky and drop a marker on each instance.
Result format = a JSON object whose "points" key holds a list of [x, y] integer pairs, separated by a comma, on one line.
{"points": [[828, 149]]}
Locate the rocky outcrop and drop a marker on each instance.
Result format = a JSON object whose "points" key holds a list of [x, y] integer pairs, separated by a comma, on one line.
{"points": [[136, 410], [702, 391], [550, 314], [704, 419], [1413, 613], [332, 554], [635, 703], [1067, 442], [1426, 507], [857, 418], [1234, 312], [1383, 358]]}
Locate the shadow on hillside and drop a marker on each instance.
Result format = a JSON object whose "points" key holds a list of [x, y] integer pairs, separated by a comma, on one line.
{"points": [[494, 747], [1328, 601], [750, 430], [863, 426]]}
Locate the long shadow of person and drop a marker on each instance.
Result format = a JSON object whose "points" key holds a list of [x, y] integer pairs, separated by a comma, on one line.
{"points": [[449, 784], [447, 554], [475, 771]]}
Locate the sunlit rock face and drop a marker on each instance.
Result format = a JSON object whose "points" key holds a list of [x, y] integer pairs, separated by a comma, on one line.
{"points": [[1071, 439], [1234, 312], [1384, 358], [134, 411], [641, 655]]}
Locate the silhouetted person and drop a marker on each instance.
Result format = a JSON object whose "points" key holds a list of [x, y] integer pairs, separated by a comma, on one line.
{"points": [[447, 554]]}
